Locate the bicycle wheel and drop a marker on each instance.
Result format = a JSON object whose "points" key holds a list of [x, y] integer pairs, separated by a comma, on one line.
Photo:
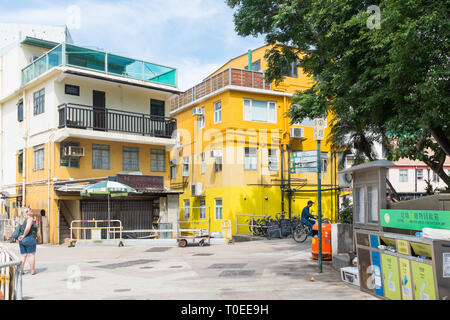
{"points": [[300, 233]]}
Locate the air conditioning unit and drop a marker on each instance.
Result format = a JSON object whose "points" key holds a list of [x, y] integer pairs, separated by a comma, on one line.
{"points": [[297, 133], [345, 180], [73, 151], [216, 153], [198, 111], [197, 189]]}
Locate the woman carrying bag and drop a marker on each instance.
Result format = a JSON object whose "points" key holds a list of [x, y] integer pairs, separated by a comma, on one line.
{"points": [[27, 240]]}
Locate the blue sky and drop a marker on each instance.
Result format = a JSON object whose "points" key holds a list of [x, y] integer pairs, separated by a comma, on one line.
{"points": [[195, 36]]}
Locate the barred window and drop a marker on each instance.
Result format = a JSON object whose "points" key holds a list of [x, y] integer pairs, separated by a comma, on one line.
{"points": [[39, 102], [131, 158], [250, 159], [100, 157], [157, 160], [68, 162], [39, 157]]}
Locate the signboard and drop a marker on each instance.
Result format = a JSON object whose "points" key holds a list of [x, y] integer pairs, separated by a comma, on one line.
{"points": [[305, 161], [319, 129], [141, 182], [415, 219]]}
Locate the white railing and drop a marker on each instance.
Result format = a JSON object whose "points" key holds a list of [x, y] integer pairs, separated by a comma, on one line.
{"points": [[10, 275]]}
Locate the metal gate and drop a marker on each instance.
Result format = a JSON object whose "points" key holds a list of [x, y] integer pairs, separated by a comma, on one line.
{"points": [[134, 214]]}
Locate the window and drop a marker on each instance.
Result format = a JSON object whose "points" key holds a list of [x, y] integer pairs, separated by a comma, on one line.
{"points": [[292, 70], [435, 177], [68, 162], [218, 164], [157, 160], [256, 66], [72, 90], [39, 157], [250, 159], [130, 158], [186, 209], [419, 174], [273, 160], [173, 169], [157, 108], [403, 175], [218, 112], [185, 169], [203, 166], [20, 161], [259, 110], [39, 102], [219, 209], [20, 110], [202, 209], [372, 193], [201, 122], [359, 193], [100, 157]]}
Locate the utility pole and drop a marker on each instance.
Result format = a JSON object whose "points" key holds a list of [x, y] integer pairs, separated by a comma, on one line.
{"points": [[319, 128]]}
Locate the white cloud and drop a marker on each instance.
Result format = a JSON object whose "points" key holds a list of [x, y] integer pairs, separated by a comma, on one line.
{"points": [[192, 71]]}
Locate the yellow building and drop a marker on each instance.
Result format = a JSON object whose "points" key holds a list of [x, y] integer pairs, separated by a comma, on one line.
{"points": [[72, 116], [235, 143]]}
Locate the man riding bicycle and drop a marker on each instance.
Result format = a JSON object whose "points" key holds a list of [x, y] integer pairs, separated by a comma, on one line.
{"points": [[307, 217]]}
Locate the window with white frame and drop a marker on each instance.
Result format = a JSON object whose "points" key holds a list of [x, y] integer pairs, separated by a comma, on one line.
{"points": [[260, 111], [203, 165], [218, 112], [39, 157], [218, 209], [202, 209], [436, 177], [130, 158], [403, 175], [157, 160], [100, 157], [187, 209], [185, 169], [39, 102], [359, 203], [372, 194], [173, 170], [419, 174], [273, 160], [251, 159]]}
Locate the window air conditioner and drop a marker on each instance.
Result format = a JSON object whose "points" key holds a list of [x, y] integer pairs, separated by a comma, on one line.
{"points": [[198, 111], [73, 151], [216, 153], [297, 133], [345, 180], [197, 189]]}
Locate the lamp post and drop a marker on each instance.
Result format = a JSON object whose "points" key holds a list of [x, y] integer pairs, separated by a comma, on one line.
{"points": [[319, 128]]}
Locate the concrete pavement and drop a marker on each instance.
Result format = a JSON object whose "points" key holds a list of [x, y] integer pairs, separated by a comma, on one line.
{"points": [[266, 269]]}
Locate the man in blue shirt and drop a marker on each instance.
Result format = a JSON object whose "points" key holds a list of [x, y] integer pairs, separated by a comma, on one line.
{"points": [[307, 217]]}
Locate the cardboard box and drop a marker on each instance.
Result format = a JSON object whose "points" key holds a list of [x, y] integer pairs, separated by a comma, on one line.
{"points": [[350, 275]]}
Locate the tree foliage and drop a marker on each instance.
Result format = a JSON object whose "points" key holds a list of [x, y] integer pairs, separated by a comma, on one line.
{"points": [[387, 84]]}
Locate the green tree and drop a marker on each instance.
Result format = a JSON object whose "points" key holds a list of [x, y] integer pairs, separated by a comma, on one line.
{"points": [[387, 84]]}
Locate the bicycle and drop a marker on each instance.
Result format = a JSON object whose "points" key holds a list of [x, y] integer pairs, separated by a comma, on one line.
{"points": [[301, 231]]}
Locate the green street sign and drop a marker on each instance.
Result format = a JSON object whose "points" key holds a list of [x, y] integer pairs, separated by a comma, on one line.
{"points": [[415, 219]]}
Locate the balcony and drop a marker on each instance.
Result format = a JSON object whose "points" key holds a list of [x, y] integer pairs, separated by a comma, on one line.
{"points": [[228, 77], [110, 120], [93, 60]]}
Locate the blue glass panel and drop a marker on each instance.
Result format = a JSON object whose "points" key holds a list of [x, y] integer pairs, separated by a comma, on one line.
{"points": [[376, 263], [153, 72], [86, 58], [166, 78], [125, 66], [27, 74], [55, 57], [40, 66], [374, 243]]}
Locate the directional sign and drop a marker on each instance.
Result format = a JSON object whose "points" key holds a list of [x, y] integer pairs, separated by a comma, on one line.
{"points": [[319, 129]]}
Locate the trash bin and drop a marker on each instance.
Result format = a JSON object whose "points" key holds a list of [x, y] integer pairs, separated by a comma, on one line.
{"points": [[326, 241]]}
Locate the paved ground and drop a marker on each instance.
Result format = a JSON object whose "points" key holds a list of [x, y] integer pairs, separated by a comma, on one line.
{"points": [[266, 269]]}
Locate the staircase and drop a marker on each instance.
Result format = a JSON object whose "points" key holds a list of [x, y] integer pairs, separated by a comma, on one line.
{"points": [[64, 231]]}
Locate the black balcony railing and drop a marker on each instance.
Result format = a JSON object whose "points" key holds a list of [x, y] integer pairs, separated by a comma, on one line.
{"points": [[111, 120]]}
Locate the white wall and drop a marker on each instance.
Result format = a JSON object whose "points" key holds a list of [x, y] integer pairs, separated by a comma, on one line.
{"points": [[13, 32], [410, 185]]}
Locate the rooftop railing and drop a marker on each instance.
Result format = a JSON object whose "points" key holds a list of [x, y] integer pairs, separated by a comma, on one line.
{"points": [[79, 57], [228, 77]]}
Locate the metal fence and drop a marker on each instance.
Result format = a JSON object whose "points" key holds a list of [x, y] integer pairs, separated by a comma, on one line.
{"points": [[249, 222], [95, 230], [10, 275]]}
